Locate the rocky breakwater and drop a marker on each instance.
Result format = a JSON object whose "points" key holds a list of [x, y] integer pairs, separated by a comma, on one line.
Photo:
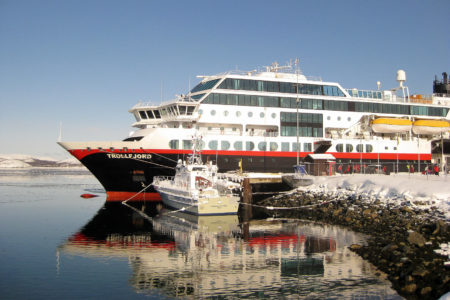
{"points": [[404, 235]]}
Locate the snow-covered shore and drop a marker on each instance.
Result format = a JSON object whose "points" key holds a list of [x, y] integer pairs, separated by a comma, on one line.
{"points": [[21, 161], [426, 190]]}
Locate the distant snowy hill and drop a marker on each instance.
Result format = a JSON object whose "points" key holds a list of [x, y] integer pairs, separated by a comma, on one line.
{"points": [[18, 161]]}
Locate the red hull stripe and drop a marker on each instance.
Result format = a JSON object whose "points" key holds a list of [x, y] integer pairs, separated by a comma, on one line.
{"points": [[81, 153], [122, 196]]}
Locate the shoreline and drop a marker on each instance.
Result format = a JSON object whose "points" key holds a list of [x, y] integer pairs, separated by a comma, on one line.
{"points": [[402, 234]]}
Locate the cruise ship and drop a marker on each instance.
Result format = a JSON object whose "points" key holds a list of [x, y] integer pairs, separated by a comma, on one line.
{"points": [[269, 120]]}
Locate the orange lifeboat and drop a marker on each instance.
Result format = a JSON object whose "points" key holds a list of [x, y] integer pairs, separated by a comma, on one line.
{"points": [[430, 127], [391, 125]]}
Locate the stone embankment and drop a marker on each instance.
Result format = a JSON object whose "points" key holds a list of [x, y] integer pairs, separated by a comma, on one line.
{"points": [[403, 236]]}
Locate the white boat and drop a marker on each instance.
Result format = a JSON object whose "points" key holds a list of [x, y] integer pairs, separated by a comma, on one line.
{"points": [[196, 188]]}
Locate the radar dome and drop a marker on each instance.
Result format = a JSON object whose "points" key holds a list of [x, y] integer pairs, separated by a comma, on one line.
{"points": [[401, 76]]}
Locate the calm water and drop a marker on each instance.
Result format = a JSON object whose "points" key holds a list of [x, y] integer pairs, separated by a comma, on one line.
{"points": [[56, 245]]}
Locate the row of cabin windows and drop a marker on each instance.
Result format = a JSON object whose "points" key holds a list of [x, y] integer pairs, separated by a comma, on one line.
{"points": [[319, 104], [349, 148], [280, 87], [204, 86], [239, 146]]}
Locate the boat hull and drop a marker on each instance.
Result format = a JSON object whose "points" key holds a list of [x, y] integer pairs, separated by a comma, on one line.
{"points": [[128, 175], [221, 205]]}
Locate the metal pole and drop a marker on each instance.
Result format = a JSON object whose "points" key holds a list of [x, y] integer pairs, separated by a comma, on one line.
{"points": [[297, 134], [297, 101], [418, 149], [442, 152]]}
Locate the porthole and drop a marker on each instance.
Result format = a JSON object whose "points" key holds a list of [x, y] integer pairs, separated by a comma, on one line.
{"points": [[250, 114], [212, 145], [249, 146], [273, 146], [340, 147], [213, 112], [274, 115], [329, 118], [349, 119], [338, 118], [224, 145], [237, 145], [225, 113], [238, 114], [261, 115], [262, 146]]}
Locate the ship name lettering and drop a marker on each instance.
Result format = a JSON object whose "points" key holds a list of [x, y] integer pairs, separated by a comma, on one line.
{"points": [[129, 155]]}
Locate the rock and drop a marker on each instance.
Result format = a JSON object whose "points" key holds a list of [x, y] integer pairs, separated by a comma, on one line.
{"points": [[410, 288], [416, 239], [355, 247], [367, 212], [425, 290], [420, 272], [389, 248]]}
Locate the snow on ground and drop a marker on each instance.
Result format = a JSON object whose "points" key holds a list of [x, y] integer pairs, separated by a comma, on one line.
{"points": [[411, 186], [429, 190], [20, 161], [426, 190]]}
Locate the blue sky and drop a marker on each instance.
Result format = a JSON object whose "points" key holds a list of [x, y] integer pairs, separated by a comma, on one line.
{"points": [[85, 63]]}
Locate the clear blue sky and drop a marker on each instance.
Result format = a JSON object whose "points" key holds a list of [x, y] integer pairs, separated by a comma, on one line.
{"points": [[85, 63]]}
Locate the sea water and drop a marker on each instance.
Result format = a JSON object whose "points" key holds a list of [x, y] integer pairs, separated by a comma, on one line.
{"points": [[56, 245]]}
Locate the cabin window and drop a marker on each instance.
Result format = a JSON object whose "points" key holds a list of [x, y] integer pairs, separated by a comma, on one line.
{"points": [[238, 114], [340, 148], [249, 146], [261, 115], [348, 148], [224, 145], [187, 144], [369, 148], [225, 113], [273, 146], [262, 146], [237, 145], [213, 112], [360, 148], [274, 115], [173, 144], [250, 114], [284, 146], [295, 148], [213, 145], [143, 114], [307, 147]]}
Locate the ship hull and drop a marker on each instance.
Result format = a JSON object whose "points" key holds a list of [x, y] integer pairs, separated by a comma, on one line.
{"points": [[127, 175]]}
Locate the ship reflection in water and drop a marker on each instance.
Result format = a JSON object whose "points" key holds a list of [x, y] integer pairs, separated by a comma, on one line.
{"points": [[181, 255]]}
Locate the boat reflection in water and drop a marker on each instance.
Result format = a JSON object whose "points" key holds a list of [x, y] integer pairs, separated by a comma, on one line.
{"points": [[182, 255]]}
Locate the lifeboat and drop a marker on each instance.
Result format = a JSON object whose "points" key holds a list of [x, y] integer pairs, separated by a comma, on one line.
{"points": [[430, 127], [391, 125]]}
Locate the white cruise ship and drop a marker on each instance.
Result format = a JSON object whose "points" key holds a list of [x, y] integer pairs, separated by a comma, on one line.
{"points": [[268, 120]]}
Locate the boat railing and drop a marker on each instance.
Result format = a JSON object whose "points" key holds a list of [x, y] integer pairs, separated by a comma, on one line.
{"points": [[159, 179]]}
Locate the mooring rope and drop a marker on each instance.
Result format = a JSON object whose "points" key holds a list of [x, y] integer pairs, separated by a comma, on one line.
{"points": [[291, 207]]}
